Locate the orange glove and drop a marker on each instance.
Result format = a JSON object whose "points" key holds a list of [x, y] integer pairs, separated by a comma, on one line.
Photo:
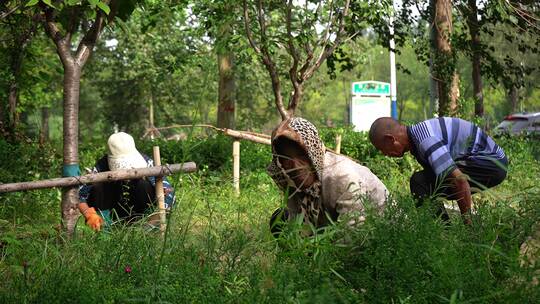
{"points": [[93, 220]]}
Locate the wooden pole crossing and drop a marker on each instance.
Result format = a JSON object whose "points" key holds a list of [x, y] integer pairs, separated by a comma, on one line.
{"points": [[107, 176], [246, 135]]}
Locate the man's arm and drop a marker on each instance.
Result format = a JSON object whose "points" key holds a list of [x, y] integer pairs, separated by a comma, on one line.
{"points": [[463, 193]]}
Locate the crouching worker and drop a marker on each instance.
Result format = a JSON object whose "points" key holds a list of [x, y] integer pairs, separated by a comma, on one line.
{"points": [[458, 158], [126, 200], [321, 186]]}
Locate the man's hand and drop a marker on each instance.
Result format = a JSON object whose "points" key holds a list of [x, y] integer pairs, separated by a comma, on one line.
{"points": [[93, 220], [463, 194]]}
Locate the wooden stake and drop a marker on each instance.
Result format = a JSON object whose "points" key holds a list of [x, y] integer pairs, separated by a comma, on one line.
{"points": [[107, 176], [151, 118], [236, 166], [160, 195], [338, 143]]}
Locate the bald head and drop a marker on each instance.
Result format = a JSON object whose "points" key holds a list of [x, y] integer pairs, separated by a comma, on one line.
{"points": [[389, 136], [382, 126]]}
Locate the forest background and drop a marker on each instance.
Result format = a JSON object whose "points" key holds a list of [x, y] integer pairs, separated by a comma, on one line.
{"points": [[166, 56]]}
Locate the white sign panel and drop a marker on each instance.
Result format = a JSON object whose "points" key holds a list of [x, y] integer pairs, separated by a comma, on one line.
{"points": [[365, 110]]}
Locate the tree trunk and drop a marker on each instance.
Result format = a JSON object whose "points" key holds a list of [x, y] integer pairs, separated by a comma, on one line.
{"points": [[472, 22], [225, 57], [513, 99], [433, 92], [2, 120], [445, 61], [226, 103], [13, 96], [70, 195], [44, 132]]}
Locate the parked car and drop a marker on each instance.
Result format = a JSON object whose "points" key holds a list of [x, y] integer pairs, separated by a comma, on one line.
{"points": [[519, 124]]}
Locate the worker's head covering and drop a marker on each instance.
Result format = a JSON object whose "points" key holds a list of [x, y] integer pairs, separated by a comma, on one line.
{"points": [[123, 154], [303, 134]]}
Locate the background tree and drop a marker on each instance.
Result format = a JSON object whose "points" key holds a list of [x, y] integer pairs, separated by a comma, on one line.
{"points": [[481, 31], [470, 11], [306, 46], [444, 58], [19, 27], [220, 22], [61, 22], [225, 57]]}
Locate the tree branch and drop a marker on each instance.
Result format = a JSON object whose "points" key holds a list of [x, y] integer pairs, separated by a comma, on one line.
{"points": [[62, 43], [90, 38], [73, 21], [295, 97], [105, 176], [9, 12], [265, 56], [327, 50], [248, 30]]}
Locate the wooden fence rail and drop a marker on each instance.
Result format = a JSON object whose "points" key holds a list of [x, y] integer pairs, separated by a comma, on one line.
{"points": [[100, 177]]}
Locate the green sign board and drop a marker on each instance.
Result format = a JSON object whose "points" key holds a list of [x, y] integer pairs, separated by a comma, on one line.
{"points": [[370, 88]]}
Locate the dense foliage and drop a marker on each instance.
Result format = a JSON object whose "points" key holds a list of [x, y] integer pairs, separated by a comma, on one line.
{"points": [[164, 54]]}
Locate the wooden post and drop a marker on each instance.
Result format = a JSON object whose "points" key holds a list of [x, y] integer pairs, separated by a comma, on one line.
{"points": [[338, 143], [160, 195], [236, 166]]}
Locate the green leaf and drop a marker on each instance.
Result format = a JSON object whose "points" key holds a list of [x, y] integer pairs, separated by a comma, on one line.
{"points": [[104, 7], [93, 3], [73, 2], [32, 2], [513, 19], [48, 2]]}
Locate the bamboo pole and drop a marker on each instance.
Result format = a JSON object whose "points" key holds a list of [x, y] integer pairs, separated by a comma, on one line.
{"points": [[338, 143], [160, 195], [236, 166], [106, 176], [246, 135]]}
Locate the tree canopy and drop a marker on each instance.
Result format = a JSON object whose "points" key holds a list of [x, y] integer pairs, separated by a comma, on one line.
{"points": [[162, 59]]}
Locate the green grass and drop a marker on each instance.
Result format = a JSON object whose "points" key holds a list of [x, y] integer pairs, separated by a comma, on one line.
{"points": [[218, 248]]}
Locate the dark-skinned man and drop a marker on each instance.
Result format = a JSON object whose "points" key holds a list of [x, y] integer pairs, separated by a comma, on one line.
{"points": [[458, 158]]}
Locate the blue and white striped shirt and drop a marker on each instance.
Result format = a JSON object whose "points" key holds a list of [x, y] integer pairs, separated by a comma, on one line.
{"points": [[438, 143]]}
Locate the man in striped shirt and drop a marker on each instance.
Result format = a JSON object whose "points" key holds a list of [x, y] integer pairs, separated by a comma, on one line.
{"points": [[457, 156]]}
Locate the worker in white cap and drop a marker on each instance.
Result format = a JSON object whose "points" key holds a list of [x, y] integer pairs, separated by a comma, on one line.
{"points": [[124, 200]]}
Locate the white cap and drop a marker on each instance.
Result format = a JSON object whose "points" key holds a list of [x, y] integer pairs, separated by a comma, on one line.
{"points": [[123, 154]]}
